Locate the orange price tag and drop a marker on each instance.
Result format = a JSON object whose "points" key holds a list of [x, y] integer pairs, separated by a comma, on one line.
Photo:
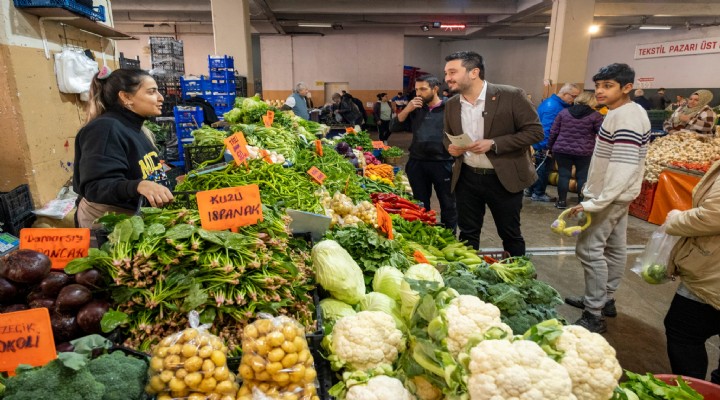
{"points": [[237, 145], [269, 118], [317, 175], [62, 245], [384, 221], [265, 156], [318, 148], [26, 337], [229, 208], [378, 144], [349, 129], [420, 257]]}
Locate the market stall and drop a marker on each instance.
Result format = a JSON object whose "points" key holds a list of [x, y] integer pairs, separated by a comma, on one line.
{"points": [[219, 296]]}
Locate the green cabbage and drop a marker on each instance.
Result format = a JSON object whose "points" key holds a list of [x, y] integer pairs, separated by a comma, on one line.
{"points": [[332, 310], [337, 272], [409, 297], [375, 301], [387, 281]]}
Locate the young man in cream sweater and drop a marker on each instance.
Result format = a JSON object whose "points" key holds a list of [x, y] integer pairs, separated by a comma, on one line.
{"points": [[614, 180]]}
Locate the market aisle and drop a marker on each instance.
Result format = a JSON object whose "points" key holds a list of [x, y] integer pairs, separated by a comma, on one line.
{"points": [[637, 334]]}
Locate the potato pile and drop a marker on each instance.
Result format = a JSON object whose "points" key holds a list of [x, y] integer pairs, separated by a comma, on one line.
{"points": [[276, 361], [682, 146], [344, 212], [191, 364]]}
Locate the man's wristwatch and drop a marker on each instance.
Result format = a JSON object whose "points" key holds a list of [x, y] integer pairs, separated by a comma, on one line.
{"points": [[493, 146]]}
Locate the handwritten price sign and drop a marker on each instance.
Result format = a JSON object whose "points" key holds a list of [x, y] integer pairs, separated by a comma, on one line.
{"points": [[230, 208], [237, 145], [26, 337], [317, 175], [318, 148], [268, 118], [61, 245]]}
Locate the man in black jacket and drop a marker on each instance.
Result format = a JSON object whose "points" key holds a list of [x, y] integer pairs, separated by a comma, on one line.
{"points": [[430, 165]]}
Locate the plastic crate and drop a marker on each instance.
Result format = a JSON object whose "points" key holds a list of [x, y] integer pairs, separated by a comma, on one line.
{"points": [[194, 86], [642, 205], [196, 155], [494, 255], [16, 207], [188, 116], [93, 13], [14, 228], [220, 62], [223, 101], [222, 87], [222, 74]]}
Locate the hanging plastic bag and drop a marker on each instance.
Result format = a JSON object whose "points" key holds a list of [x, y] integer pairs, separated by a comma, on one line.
{"points": [[651, 265], [74, 71], [189, 364], [276, 361]]}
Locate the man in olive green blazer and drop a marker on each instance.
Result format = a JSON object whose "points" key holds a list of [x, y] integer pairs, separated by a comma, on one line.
{"points": [[494, 170]]}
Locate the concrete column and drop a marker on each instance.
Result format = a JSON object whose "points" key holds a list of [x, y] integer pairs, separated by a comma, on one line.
{"points": [[568, 44], [231, 26]]}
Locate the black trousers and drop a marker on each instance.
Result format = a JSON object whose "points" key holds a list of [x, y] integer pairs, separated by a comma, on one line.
{"points": [[383, 129], [688, 325], [472, 193], [565, 163], [423, 176]]}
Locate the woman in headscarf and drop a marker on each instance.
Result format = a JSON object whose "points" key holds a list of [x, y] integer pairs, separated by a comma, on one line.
{"points": [[695, 116]]}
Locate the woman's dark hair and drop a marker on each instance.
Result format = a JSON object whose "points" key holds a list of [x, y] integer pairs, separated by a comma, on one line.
{"points": [[620, 73], [470, 60], [104, 93]]}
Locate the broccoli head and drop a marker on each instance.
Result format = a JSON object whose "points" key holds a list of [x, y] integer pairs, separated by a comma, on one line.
{"points": [[507, 298], [124, 377], [56, 380]]}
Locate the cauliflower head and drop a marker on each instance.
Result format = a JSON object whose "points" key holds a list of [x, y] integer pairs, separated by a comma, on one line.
{"points": [[468, 316], [519, 370], [591, 363], [379, 388], [366, 340]]}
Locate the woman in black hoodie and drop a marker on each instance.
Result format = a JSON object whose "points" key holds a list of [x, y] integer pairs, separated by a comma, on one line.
{"points": [[116, 161]]}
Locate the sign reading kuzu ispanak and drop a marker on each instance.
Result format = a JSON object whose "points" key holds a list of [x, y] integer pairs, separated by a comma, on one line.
{"points": [[678, 48]]}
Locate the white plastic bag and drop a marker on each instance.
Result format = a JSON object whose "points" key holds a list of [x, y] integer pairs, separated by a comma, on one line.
{"points": [[651, 265], [74, 71]]}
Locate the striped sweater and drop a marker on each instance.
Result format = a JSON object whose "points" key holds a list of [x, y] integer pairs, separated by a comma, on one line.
{"points": [[618, 162]]}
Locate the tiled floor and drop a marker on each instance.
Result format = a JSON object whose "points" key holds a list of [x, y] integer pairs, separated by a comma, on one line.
{"points": [[637, 333]]}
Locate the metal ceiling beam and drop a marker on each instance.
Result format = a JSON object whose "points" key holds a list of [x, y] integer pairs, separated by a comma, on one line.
{"points": [[270, 16], [162, 16], [400, 7], [160, 5], [675, 9]]}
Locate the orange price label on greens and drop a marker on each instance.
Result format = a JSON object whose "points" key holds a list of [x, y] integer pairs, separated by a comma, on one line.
{"points": [[349, 129], [318, 147], [61, 245], [229, 208], [420, 257], [265, 156], [26, 337], [378, 144], [237, 145], [384, 221], [269, 118], [317, 175]]}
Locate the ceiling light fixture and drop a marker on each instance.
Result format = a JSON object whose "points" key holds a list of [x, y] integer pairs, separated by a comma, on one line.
{"points": [[450, 27], [437, 24], [314, 25], [431, 37], [547, 27], [658, 27], [337, 27], [593, 29], [425, 28]]}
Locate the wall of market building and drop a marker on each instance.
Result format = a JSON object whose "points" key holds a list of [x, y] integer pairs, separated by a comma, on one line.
{"points": [[38, 122]]}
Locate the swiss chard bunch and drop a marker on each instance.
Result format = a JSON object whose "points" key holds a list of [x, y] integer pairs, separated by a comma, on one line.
{"points": [[648, 387]]}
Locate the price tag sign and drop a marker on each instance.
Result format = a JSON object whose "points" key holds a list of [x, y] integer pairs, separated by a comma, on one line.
{"points": [[384, 221], [268, 118], [318, 148], [378, 144], [26, 337], [420, 257], [317, 175], [265, 156], [237, 145], [229, 208], [349, 129], [61, 245]]}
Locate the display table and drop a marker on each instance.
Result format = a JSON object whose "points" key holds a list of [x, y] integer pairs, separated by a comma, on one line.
{"points": [[674, 192]]}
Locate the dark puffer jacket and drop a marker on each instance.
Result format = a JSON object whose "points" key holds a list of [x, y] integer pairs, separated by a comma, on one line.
{"points": [[574, 130]]}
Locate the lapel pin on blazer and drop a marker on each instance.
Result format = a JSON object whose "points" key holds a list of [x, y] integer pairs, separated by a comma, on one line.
{"points": [[493, 98]]}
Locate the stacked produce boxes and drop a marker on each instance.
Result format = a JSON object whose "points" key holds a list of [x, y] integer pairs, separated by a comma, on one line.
{"points": [[168, 65], [222, 83], [187, 119]]}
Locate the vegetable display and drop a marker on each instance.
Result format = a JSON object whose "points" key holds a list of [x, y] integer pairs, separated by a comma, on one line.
{"points": [[684, 146], [410, 211], [164, 265], [393, 151], [357, 140], [26, 281], [340, 175], [344, 212]]}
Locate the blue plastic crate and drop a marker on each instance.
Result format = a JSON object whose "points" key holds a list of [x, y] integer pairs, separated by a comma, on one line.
{"points": [[222, 87], [220, 62], [188, 114], [222, 74], [222, 101], [194, 86], [93, 13]]}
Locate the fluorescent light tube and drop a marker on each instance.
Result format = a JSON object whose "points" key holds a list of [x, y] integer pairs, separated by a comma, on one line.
{"points": [[314, 25], [660, 27]]}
